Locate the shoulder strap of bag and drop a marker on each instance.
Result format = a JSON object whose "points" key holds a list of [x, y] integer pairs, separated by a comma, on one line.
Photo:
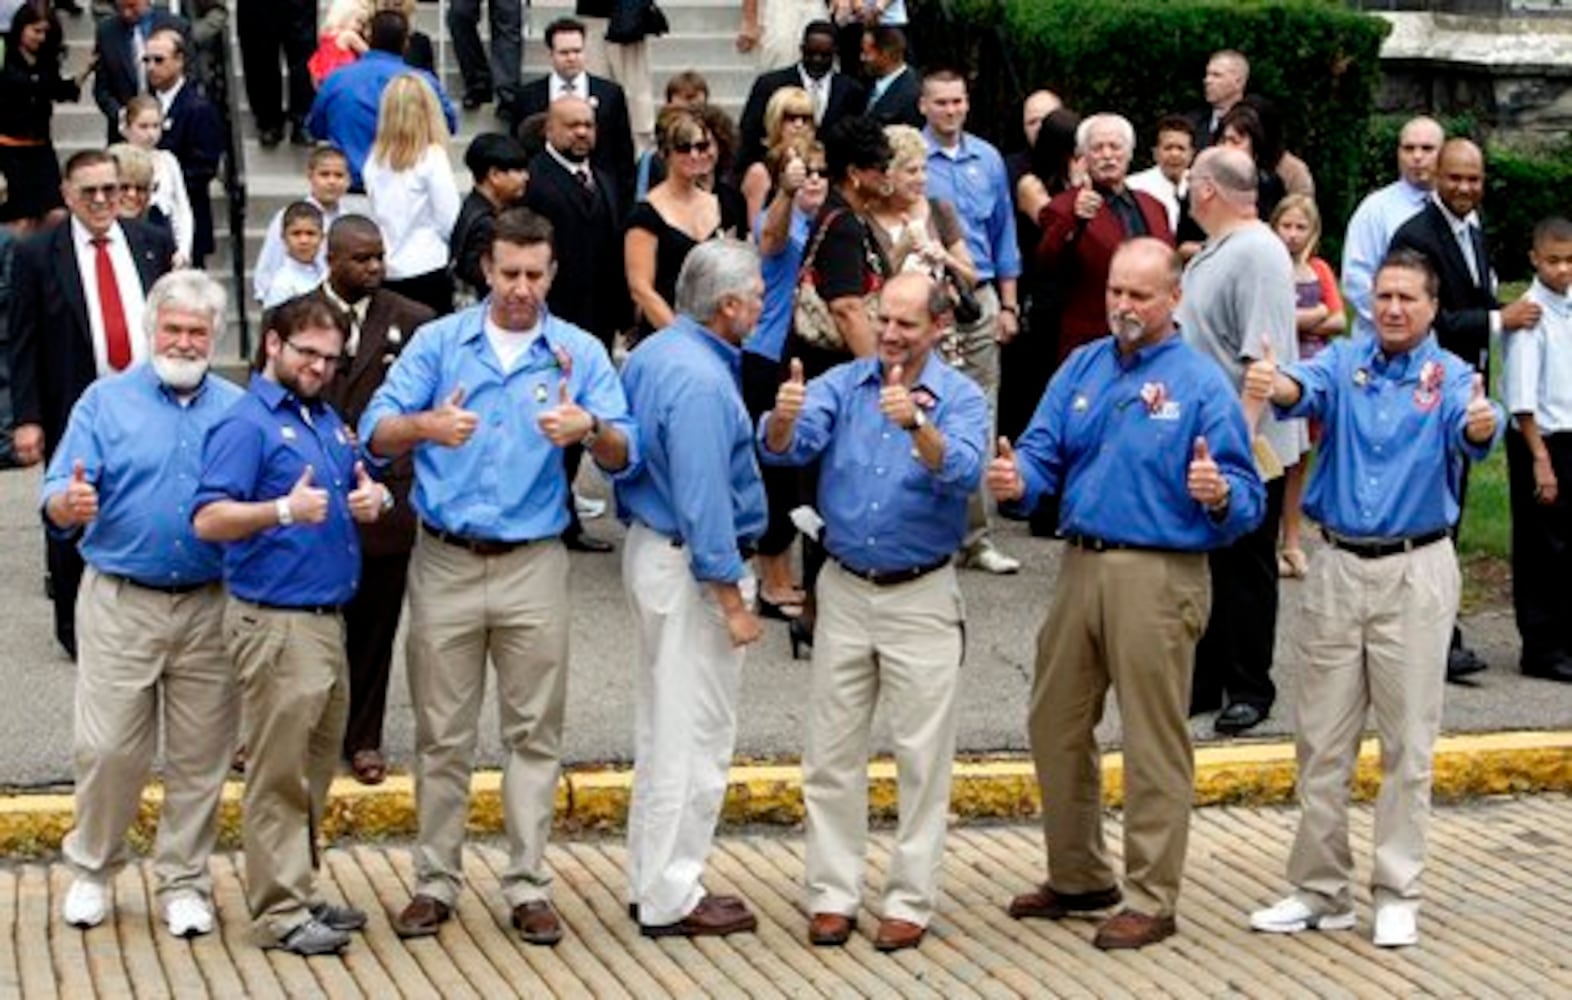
{"points": [[813, 248]]}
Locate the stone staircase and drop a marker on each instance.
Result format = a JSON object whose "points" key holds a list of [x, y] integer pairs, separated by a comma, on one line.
{"points": [[702, 36]]}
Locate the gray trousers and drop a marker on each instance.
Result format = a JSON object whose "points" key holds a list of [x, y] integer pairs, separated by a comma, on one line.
{"points": [[501, 73]]}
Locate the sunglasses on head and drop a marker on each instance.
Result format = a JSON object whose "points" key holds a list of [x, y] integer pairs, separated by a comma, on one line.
{"points": [[701, 147]]}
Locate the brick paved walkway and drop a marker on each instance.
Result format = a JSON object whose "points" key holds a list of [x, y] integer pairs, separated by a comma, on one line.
{"points": [[1498, 906]]}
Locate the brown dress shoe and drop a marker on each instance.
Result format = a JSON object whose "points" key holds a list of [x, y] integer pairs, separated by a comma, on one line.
{"points": [[829, 929], [1046, 904], [537, 923], [1129, 929], [711, 918], [421, 917], [894, 935]]}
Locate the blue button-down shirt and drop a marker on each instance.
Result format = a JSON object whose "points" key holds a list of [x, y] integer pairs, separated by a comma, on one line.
{"points": [[257, 451], [780, 287], [1114, 436], [1390, 461], [700, 483], [507, 482], [346, 106], [1367, 239], [884, 510], [975, 181], [142, 448]]}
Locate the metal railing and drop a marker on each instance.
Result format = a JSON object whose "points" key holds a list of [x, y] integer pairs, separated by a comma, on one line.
{"points": [[234, 178]]}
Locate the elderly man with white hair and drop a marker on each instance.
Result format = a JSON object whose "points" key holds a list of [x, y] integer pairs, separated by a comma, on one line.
{"points": [[149, 611], [694, 510]]}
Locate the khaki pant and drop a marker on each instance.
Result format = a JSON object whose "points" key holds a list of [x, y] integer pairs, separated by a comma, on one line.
{"points": [[628, 66], [686, 673], [1129, 618], [141, 654], [462, 608], [907, 641], [294, 683], [1376, 637], [974, 351]]}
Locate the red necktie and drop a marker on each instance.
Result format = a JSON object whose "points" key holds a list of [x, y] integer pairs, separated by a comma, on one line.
{"points": [[117, 339]]}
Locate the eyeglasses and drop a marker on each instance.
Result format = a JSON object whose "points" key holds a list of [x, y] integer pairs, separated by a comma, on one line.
{"points": [[818, 170], [312, 355], [701, 147], [95, 192]]}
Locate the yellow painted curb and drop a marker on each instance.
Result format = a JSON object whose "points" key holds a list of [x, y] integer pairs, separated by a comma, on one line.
{"points": [[1249, 774]]}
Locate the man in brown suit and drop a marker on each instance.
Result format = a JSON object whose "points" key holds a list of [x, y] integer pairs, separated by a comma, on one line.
{"points": [[380, 324]]}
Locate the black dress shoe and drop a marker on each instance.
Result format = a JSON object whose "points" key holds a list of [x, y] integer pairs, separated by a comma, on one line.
{"points": [[1238, 718], [1463, 662], [580, 542], [270, 137], [1555, 669], [475, 98], [299, 135]]}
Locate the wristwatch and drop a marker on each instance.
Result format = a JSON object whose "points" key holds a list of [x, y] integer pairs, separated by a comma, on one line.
{"points": [[919, 421], [286, 517], [594, 432]]}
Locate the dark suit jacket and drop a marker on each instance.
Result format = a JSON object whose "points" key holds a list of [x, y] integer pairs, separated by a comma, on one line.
{"points": [[847, 97], [591, 286], [350, 393], [118, 77], [613, 134], [898, 104], [1463, 320], [470, 240], [194, 132], [52, 360]]}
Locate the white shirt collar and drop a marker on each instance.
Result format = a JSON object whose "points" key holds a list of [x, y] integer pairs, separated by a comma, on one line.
{"points": [[82, 236], [1472, 219], [559, 85], [167, 97], [567, 164]]}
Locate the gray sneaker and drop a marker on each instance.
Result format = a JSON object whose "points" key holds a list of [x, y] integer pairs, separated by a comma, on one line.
{"points": [[313, 938], [340, 918]]}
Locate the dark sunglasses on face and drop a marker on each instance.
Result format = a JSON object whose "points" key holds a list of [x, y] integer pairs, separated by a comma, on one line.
{"points": [[701, 147], [817, 170], [154, 60], [800, 117]]}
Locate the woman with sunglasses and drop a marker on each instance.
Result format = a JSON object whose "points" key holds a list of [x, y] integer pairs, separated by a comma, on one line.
{"points": [[788, 117], [30, 86], [678, 214]]}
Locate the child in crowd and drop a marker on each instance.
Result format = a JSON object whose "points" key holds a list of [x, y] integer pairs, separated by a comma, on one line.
{"points": [[343, 38], [1319, 317], [303, 268], [327, 178], [142, 126]]}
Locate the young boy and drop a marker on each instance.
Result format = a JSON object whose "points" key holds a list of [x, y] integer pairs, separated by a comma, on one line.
{"points": [[1538, 391], [327, 176], [303, 268]]}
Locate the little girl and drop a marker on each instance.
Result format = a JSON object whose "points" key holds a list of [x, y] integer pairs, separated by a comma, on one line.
{"points": [[343, 38], [1319, 316], [143, 127]]}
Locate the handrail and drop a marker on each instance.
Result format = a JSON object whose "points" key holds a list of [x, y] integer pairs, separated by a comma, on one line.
{"points": [[234, 173]]}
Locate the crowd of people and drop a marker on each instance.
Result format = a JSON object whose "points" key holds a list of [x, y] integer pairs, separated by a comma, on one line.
{"points": [[846, 324]]}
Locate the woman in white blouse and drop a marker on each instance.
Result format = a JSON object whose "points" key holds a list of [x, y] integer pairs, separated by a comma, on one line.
{"points": [[142, 125], [414, 198]]}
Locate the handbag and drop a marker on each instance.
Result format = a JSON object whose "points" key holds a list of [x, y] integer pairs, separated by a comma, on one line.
{"points": [[812, 319], [963, 300], [633, 21]]}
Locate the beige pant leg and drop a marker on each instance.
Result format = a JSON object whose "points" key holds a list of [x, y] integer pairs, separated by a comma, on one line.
{"points": [[977, 356], [528, 614], [1069, 689], [1409, 635], [446, 650], [1156, 606], [1330, 702], [918, 632], [628, 66], [843, 690]]}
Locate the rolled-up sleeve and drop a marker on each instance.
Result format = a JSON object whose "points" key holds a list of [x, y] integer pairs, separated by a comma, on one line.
{"points": [[410, 387], [601, 394], [699, 442], [811, 433], [965, 426], [1228, 440]]}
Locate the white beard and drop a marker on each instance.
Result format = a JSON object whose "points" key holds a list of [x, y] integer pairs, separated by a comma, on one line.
{"points": [[180, 374], [1127, 329]]}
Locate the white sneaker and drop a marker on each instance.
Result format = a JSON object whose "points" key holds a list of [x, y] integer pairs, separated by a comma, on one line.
{"points": [[189, 916], [1292, 915], [86, 904], [1396, 925], [990, 560]]}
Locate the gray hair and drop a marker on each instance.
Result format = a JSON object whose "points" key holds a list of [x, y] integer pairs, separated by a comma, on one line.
{"points": [[1119, 123], [1230, 169], [714, 270], [188, 291]]}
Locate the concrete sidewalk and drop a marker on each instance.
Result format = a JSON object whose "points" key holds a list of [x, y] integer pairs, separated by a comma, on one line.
{"points": [[1498, 901]]}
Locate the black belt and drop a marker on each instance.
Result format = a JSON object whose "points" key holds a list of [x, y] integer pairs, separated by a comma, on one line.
{"points": [[745, 551], [172, 589], [325, 610], [479, 546], [1093, 544], [1377, 549], [892, 577]]}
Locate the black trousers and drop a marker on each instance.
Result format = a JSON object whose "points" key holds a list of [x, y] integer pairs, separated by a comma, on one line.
{"points": [[370, 623], [64, 565], [1234, 656], [1541, 552], [269, 29], [761, 377]]}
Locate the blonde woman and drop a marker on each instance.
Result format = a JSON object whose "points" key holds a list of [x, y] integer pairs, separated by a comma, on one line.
{"points": [[142, 127], [788, 118], [414, 197], [136, 184], [916, 232]]}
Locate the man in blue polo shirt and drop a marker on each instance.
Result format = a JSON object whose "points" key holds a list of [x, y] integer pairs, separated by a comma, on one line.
{"points": [[1400, 417], [281, 489], [902, 437], [488, 398], [696, 505], [1146, 442], [150, 610]]}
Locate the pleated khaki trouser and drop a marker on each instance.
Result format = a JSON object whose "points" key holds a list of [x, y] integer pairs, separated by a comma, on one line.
{"points": [[1131, 619], [904, 641], [1375, 636], [294, 683], [463, 608], [628, 66], [143, 656]]}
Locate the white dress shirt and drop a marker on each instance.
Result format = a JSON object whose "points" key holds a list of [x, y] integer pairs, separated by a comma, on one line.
{"points": [[167, 97], [416, 210], [127, 280], [559, 87], [1539, 364], [273, 253], [1465, 246], [818, 92], [1154, 182]]}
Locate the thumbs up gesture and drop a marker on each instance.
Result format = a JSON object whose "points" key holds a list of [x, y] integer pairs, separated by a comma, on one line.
{"points": [[1261, 373], [450, 424], [789, 398], [81, 496], [367, 498], [1480, 417], [1205, 481], [895, 402], [794, 175], [1004, 476], [307, 503], [567, 423]]}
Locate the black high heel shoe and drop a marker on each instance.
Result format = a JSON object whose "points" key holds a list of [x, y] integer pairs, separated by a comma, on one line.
{"points": [[801, 634]]}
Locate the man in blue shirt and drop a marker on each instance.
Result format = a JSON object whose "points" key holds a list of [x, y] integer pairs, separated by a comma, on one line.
{"points": [[149, 610], [345, 109], [488, 398], [1381, 213], [1145, 440], [969, 173], [282, 490], [1400, 417], [901, 439], [695, 507]]}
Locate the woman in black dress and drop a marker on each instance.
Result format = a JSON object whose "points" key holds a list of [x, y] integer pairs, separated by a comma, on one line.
{"points": [[30, 85]]}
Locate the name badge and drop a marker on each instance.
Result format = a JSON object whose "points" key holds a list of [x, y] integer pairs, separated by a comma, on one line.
{"points": [[288, 433], [540, 392], [1079, 404]]}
